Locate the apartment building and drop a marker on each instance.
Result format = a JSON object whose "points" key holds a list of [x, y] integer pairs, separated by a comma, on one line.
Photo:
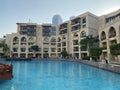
{"points": [[109, 33], [80, 27], [52, 39], [47, 40], [20, 42]]}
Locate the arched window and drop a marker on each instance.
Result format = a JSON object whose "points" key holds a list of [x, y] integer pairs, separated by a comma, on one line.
{"points": [[15, 39], [63, 37], [75, 35], [83, 34], [112, 32], [53, 39], [59, 39], [23, 39], [103, 35]]}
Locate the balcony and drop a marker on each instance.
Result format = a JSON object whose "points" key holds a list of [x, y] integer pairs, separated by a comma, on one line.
{"points": [[59, 45], [30, 43], [84, 20], [64, 44], [103, 38], [112, 35], [77, 27], [75, 42], [53, 44], [46, 30], [76, 49], [63, 26], [14, 51], [53, 49], [63, 31], [15, 44], [59, 49], [104, 48], [46, 44], [15, 41], [23, 49], [75, 21], [23, 43], [46, 34]]}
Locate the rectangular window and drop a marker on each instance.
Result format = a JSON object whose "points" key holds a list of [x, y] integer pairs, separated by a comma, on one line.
{"points": [[53, 49], [84, 26], [23, 49], [76, 49], [84, 20], [59, 50], [15, 49]]}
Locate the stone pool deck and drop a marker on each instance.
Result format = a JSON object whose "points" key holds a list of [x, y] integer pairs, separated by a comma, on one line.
{"points": [[110, 67], [113, 67], [101, 65]]}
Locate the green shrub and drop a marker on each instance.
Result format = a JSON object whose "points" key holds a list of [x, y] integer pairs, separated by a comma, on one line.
{"points": [[115, 49]]}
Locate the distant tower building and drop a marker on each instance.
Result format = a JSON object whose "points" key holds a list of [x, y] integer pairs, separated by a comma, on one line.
{"points": [[56, 19], [72, 17]]}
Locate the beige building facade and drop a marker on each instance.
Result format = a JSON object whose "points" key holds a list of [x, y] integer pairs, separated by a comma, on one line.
{"points": [[53, 39], [109, 34]]}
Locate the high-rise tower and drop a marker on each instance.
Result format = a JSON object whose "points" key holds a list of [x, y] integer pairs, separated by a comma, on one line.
{"points": [[56, 19]]}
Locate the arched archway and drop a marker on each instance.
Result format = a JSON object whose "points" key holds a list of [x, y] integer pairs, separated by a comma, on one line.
{"points": [[64, 37], [112, 32], [59, 39], [15, 39], [83, 34], [103, 35], [75, 35], [23, 39]]}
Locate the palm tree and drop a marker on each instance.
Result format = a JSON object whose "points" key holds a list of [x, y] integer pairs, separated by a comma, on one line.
{"points": [[89, 42], [5, 48], [35, 48], [64, 53]]}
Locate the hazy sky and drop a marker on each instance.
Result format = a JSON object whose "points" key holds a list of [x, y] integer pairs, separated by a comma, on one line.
{"points": [[41, 11]]}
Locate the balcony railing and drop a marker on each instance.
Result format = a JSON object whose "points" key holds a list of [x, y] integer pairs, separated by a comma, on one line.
{"points": [[63, 26], [75, 43], [113, 35], [63, 31], [75, 21], [15, 41], [59, 45], [23, 41], [63, 44], [74, 28], [103, 38], [104, 48]]}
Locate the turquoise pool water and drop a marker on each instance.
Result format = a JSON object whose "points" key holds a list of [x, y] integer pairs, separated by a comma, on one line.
{"points": [[59, 75]]}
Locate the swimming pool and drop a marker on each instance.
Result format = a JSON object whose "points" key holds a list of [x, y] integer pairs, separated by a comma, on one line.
{"points": [[59, 75]]}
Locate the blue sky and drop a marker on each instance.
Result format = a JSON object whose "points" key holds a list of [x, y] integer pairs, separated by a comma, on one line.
{"points": [[41, 11]]}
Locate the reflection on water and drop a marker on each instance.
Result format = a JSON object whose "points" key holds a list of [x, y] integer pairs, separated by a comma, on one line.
{"points": [[59, 75]]}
